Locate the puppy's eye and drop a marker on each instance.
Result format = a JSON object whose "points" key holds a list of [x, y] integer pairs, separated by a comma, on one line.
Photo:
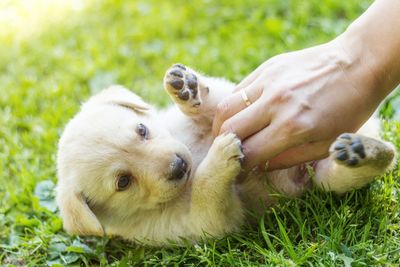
{"points": [[142, 131], [123, 182]]}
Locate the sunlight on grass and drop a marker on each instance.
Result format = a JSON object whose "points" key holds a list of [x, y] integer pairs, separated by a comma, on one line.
{"points": [[21, 19]]}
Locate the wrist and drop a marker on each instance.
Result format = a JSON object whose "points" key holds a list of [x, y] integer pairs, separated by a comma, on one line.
{"points": [[371, 44], [358, 64]]}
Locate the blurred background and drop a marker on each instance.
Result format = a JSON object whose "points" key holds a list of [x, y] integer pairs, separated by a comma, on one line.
{"points": [[54, 54]]}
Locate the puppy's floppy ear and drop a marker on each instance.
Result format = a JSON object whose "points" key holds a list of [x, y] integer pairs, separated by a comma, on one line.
{"points": [[77, 217], [119, 95]]}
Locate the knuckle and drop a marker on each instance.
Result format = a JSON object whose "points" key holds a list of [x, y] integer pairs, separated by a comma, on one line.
{"points": [[299, 126], [283, 96], [227, 127]]}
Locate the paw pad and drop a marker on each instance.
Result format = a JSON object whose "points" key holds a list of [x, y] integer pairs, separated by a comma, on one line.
{"points": [[348, 150], [180, 66], [176, 73], [176, 84], [183, 84]]}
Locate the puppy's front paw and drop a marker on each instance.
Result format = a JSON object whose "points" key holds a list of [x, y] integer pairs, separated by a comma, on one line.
{"points": [[227, 153], [183, 85]]}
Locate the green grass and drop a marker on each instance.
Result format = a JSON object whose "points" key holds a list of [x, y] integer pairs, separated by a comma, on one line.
{"points": [[52, 60]]}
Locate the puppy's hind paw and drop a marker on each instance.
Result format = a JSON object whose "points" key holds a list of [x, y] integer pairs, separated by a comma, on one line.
{"points": [[354, 150], [348, 150]]}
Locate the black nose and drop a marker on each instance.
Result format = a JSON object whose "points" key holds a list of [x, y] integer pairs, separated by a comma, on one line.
{"points": [[179, 168]]}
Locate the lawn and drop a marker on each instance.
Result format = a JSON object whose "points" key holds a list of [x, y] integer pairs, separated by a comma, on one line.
{"points": [[55, 54]]}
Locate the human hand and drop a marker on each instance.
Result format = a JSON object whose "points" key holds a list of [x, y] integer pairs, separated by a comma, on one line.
{"points": [[301, 101]]}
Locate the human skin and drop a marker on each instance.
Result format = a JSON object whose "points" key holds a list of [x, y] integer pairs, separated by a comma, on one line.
{"points": [[301, 101]]}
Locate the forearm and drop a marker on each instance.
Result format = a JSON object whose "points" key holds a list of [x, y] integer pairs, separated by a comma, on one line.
{"points": [[373, 44]]}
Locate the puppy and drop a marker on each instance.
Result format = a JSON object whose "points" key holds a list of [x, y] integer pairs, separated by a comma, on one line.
{"points": [[126, 169]]}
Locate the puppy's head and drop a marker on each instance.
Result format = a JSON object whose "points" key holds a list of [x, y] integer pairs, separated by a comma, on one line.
{"points": [[115, 158]]}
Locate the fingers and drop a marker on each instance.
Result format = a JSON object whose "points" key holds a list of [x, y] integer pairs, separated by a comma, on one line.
{"points": [[232, 105], [300, 154], [235, 103], [267, 143], [248, 121], [262, 146]]}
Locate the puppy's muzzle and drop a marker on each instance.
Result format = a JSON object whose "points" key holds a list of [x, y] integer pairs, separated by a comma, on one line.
{"points": [[179, 168]]}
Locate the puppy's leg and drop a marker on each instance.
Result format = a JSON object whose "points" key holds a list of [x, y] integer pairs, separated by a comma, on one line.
{"points": [[354, 161], [215, 206], [196, 95]]}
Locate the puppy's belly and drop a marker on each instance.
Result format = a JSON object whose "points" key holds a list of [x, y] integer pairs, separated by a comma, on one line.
{"points": [[258, 190]]}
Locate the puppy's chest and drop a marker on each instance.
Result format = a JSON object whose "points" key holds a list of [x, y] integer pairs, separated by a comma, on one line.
{"points": [[196, 137], [198, 143]]}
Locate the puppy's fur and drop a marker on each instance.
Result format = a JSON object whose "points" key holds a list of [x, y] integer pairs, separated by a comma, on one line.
{"points": [[126, 169]]}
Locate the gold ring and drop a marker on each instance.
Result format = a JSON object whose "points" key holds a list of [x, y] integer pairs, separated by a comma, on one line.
{"points": [[245, 98]]}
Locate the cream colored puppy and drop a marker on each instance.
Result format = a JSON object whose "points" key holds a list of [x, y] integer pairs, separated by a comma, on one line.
{"points": [[126, 169]]}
